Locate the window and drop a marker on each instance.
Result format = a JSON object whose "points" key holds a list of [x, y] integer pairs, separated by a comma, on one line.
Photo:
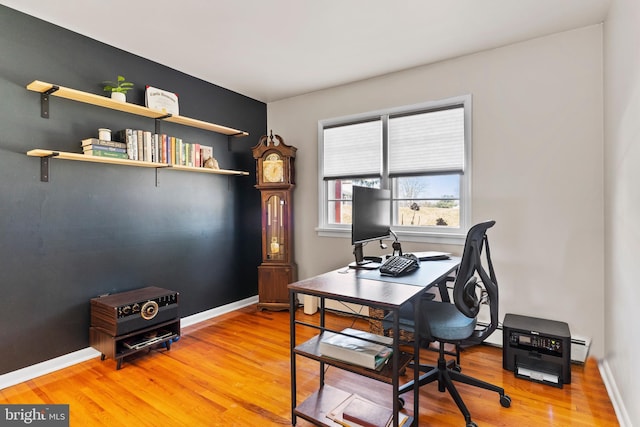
{"points": [[421, 153]]}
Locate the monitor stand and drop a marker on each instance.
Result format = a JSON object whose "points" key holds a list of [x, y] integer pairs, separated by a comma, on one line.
{"points": [[360, 261]]}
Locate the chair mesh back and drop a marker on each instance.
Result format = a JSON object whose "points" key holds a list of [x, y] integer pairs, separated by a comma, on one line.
{"points": [[470, 266]]}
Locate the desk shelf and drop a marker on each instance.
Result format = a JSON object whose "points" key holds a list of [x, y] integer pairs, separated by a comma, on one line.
{"points": [[310, 350], [316, 407]]}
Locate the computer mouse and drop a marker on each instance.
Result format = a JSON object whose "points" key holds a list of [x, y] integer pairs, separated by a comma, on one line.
{"points": [[413, 257]]}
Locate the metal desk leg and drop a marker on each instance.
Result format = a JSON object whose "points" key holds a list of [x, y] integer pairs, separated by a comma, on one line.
{"points": [[395, 381], [292, 344], [416, 361], [322, 323]]}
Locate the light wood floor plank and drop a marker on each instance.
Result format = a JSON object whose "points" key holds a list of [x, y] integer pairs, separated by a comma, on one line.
{"points": [[234, 371]]}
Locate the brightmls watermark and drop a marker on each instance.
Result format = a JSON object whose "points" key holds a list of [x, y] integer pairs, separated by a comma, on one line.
{"points": [[34, 415]]}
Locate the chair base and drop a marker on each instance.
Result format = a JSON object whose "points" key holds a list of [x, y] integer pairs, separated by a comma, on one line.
{"points": [[446, 373]]}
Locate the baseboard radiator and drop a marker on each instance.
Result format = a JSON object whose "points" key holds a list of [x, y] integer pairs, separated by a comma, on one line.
{"points": [[579, 345]]}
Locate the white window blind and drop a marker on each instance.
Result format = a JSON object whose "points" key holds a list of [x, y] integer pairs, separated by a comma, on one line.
{"points": [[353, 150], [431, 142]]}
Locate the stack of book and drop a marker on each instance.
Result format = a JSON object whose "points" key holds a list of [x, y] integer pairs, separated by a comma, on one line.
{"points": [[356, 411], [351, 348], [162, 148], [98, 147]]}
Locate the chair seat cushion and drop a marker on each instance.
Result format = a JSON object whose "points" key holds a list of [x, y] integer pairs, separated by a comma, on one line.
{"points": [[446, 322]]}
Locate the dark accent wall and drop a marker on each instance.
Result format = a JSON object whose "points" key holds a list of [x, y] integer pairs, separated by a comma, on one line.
{"points": [[96, 229]]}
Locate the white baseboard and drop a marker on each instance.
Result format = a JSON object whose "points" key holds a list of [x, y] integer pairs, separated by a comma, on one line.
{"points": [[218, 311], [30, 372], [46, 367], [614, 394]]}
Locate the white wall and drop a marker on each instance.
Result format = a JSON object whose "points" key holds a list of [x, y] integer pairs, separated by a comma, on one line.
{"points": [[622, 202], [537, 167]]}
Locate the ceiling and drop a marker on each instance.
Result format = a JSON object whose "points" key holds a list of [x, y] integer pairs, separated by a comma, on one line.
{"points": [[274, 49]]}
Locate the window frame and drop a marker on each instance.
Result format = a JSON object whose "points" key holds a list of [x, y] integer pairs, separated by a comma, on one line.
{"points": [[406, 233]]}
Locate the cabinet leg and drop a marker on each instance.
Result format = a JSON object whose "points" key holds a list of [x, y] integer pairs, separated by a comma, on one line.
{"points": [[102, 357], [119, 364]]}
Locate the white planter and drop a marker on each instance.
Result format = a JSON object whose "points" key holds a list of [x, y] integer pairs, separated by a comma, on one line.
{"points": [[119, 96]]}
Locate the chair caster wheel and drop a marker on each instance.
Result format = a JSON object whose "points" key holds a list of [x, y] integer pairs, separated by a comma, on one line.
{"points": [[472, 424], [505, 401], [401, 402]]}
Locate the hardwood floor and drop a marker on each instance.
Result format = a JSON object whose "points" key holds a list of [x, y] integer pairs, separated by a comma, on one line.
{"points": [[234, 371]]}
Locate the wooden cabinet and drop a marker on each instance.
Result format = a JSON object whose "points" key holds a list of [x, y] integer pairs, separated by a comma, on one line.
{"points": [[130, 322], [275, 180]]}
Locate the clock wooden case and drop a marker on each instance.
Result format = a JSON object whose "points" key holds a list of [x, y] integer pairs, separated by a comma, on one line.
{"points": [[275, 180]]}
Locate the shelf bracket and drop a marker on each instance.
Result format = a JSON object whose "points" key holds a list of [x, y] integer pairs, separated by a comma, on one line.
{"points": [[159, 122], [157, 177], [44, 101], [44, 166]]}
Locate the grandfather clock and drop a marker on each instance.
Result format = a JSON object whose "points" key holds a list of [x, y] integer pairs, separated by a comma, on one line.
{"points": [[275, 180]]}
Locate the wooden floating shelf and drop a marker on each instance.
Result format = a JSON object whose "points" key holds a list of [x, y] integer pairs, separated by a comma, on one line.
{"points": [[103, 101], [126, 162]]}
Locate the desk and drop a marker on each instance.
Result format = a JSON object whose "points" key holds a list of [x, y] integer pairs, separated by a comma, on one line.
{"points": [[362, 287]]}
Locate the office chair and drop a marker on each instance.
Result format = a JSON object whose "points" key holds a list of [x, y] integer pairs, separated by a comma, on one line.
{"points": [[456, 323]]}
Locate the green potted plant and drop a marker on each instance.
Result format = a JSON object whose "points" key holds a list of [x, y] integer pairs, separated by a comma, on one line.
{"points": [[118, 88]]}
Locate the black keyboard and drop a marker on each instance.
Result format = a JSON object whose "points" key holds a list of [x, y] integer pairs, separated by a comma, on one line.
{"points": [[398, 265]]}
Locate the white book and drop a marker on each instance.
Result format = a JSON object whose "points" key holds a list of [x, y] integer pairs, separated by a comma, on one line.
{"points": [[147, 146], [132, 145], [357, 351]]}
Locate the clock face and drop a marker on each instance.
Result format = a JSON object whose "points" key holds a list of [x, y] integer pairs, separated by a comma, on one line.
{"points": [[273, 168]]}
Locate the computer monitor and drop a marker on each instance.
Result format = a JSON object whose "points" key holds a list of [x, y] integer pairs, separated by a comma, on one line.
{"points": [[370, 218]]}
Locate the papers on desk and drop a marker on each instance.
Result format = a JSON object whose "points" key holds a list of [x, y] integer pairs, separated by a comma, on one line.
{"points": [[432, 255], [357, 351]]}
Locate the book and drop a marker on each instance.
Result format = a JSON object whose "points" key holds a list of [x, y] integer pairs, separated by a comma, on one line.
{"points": [[154, 148], [366, 413], [197, 162], [179, 151], [147, 148], [352, 349], [164, 156], [385, 415], [103, 148], [140, 143], [96, 141], [101, 153], [172, 150]]}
